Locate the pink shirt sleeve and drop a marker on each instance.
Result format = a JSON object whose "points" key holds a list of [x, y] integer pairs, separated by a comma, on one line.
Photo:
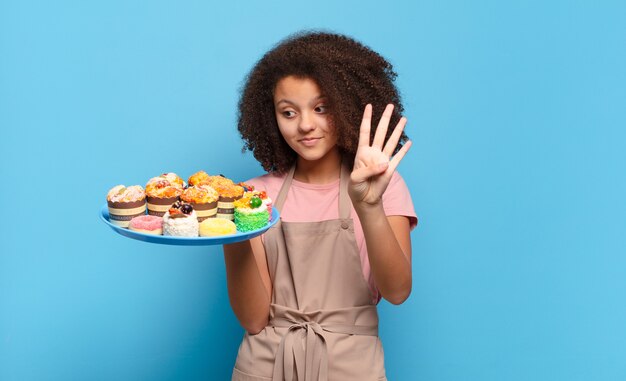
{"points": [[397, 200]]}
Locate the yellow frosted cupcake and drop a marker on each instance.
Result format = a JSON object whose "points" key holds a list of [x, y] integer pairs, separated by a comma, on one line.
{"points": [[212, 227]]}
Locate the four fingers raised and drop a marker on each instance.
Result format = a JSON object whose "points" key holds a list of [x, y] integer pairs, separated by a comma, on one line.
{"points": [[381, 130]]}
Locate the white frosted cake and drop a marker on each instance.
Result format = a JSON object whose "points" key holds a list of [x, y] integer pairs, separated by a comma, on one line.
{"points": [[180, 221]]}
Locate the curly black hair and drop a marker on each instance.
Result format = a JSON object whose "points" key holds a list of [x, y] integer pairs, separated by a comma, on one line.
{"points": [[348, 73]]}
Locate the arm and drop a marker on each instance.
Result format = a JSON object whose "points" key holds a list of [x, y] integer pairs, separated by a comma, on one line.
{"points": [[387, 238], [389, 251], [249, 284]]}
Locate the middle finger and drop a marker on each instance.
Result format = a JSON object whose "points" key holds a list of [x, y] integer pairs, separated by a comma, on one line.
{"points": [[381, 129]]}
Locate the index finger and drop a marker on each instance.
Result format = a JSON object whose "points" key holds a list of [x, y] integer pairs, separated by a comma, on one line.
{"points": [[366, 123]]}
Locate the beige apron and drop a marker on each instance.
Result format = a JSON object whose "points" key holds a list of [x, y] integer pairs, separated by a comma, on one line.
{"points": [[323, 324]]}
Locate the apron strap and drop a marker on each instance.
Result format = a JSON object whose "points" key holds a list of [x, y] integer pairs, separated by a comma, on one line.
{"points": [[345, 204], [282, 194]]}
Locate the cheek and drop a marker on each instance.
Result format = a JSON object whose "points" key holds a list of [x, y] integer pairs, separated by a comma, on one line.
{"points": [[329, 126], [286, 132]]}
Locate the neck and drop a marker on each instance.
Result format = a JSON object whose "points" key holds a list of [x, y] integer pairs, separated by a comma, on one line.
{"points": [[322, 171]]}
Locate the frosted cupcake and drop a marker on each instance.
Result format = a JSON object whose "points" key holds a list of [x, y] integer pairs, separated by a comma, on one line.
{"points": [[213, 227], [202, 178], [217, 181], [267, 202], [229, 193], [203, 198], [162, 191], [180, 221], [250, 214], [173, 179], [198, 178], [246, 187], [147, 224], [125, 203]]}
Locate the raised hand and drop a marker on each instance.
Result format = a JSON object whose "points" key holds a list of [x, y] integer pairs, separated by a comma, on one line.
{"points": [[374, 164]]}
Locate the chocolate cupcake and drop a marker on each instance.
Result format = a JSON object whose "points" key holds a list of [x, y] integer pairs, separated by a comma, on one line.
{"points": [[203, 198], [125, 203]]}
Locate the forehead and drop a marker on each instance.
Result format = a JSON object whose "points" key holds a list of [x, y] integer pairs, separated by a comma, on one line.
{"points": [[296, 89]]}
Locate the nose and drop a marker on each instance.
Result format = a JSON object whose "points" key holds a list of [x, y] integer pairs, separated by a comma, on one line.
{"points": [[306, 122]]}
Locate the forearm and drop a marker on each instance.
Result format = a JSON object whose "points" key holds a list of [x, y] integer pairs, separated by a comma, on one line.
{"points": [[390, 264], [246, 290]]}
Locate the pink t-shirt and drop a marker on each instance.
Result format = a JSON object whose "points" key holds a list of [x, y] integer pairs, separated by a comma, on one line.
{"points": [[314, 202]]}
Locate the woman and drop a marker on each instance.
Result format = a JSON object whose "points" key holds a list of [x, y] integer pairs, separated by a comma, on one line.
{"points": [[306, 291]]}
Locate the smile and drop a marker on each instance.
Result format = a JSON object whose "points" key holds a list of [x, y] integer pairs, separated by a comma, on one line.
{"points": [[309, 142]]}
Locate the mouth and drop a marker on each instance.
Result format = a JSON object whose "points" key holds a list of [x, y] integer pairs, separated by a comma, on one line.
{"points": [[309, 141]]}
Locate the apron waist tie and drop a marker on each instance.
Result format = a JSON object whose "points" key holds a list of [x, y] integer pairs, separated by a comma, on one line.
{"points": [[310, 359]]}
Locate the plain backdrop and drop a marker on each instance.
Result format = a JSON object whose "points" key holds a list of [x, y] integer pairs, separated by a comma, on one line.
{"points": [[517, 111]]}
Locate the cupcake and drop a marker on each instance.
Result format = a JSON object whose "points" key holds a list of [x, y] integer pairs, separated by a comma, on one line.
{"points": [[250, 214], [218, 180], [229, 193], [203, 198], [147, 224], [267, 202], [173, 179], [246, 187], [125, 203], [180, 221], [213, 227], [162, 191], [198, 178]]}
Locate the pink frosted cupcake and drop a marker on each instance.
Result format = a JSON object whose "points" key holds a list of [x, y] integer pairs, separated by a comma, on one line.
{"points": [[147, 224]]}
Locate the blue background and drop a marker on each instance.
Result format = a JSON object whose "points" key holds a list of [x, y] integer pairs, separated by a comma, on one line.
{"points": [[517, 111]]}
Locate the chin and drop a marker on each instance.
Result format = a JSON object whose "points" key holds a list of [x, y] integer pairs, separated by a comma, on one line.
{"points": [[311, 156]]}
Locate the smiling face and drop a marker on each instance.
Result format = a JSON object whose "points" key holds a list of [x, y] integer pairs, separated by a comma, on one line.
{"points": [[304, 120]]}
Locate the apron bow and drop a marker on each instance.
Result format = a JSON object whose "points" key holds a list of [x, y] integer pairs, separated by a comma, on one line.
{"points": [[310, 359]]}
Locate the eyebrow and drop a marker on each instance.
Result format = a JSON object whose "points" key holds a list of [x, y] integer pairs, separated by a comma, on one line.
{"points": [[293, 104]]}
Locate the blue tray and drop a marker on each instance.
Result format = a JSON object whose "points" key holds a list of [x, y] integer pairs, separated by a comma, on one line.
{"points": [[187, 241]]}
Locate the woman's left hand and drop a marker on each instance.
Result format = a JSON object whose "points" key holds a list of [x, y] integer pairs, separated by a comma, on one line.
{"points": [[374, 164]]}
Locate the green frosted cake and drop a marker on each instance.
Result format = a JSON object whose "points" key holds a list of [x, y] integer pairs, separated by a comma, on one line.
{"points": [[250, 214]]}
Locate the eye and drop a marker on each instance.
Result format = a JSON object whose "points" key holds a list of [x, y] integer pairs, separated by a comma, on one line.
{"points": [[322, 109], [288, 114]]}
